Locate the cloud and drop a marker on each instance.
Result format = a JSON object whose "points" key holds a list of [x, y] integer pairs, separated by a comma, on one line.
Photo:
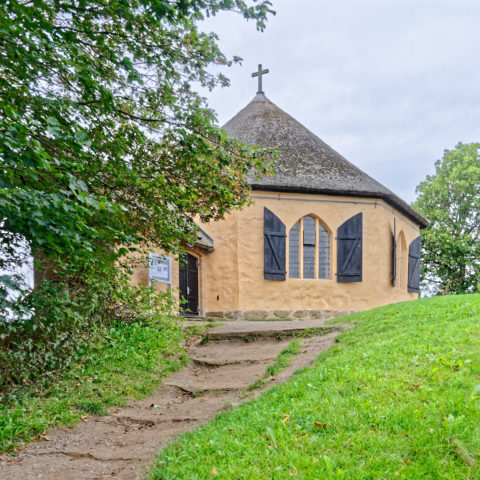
{"points": [[388, 84]]}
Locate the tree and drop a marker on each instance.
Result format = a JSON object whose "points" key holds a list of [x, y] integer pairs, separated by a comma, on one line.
{"points": [[450, 200], [103, 140], [105, 145]]}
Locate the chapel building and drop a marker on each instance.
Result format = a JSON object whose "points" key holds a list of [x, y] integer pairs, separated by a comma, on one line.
{"points": [[321, 237]]}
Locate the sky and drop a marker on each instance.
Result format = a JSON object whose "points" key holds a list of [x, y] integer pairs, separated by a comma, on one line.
{"points": [[390, 84]]}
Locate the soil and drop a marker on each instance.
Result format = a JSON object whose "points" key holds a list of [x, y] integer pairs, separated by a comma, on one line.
{"points": [[121, 445]]}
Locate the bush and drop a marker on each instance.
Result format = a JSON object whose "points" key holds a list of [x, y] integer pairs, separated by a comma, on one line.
{"points": [[63, 319], [120, 361]]}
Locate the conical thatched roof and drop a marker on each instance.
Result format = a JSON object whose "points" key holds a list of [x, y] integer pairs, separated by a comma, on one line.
{"points": [[305, 163]]}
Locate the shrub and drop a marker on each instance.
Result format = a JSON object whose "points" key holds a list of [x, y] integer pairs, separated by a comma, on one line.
{"points": [[63, 317]]}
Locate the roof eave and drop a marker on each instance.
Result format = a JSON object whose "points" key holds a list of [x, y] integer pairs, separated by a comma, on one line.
{"points": [[204, 240], [421, 221]]}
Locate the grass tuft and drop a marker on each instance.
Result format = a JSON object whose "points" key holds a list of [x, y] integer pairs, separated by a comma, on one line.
{"points": [[200, 329], [92, 408], [281, 363]]}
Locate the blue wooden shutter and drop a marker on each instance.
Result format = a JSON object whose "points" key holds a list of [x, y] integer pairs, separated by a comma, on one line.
{"points": [[274, 246], [394, 253], [349, 250], [394, 262], [414, 266]]}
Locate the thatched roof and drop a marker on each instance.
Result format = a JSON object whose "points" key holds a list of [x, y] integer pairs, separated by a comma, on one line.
{"points": [[305, 163]]}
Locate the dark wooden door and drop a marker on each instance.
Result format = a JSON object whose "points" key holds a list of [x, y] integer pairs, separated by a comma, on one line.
{"points": [[189, 285]]}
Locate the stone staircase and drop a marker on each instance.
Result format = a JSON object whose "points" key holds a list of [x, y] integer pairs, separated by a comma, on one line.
{"points": [[121, 445]]}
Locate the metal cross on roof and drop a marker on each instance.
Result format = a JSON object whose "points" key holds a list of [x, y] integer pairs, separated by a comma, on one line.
{"points": [[259, 75]]}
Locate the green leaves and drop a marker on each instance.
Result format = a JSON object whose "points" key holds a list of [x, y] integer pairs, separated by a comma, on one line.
{"points": [[104, 146], [102, 139], [450, 200]]}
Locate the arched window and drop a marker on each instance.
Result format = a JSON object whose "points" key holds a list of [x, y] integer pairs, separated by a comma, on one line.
{"points": [[312, 248]]}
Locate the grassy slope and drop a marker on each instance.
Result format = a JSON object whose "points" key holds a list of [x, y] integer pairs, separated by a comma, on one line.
{"points": [[397, 398], [126, 361]]}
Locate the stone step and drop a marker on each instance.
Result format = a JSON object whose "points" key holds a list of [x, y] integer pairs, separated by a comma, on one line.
{"points": [[224, 378], [231, 352], [246, 330], [193, 319]]}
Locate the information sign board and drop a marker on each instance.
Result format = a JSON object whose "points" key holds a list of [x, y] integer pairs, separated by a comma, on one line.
{"points": [[160, 268]]}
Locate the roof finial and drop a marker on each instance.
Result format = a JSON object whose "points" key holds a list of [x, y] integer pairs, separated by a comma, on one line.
{"points": [[259, 75]]}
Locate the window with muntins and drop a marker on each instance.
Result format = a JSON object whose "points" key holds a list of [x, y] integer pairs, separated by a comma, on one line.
{"points": [[309, 240], [309, 252], [294, 251], [323, 252]]}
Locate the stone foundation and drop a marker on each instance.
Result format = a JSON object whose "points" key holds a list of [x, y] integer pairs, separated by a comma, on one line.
{"points": [[278, 314]]}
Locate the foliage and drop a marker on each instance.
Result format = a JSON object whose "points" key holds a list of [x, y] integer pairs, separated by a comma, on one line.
{"points": [[104, 146], [120, 362], [450, 199], [103, 141], [397, 397], [43, 344]]}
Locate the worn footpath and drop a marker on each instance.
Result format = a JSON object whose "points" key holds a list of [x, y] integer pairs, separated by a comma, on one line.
{"points": [[121, 444]]}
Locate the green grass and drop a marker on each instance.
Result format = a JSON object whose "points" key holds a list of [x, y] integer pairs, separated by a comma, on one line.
{"points": [[397, 398], [127, 361], [281, 363]]}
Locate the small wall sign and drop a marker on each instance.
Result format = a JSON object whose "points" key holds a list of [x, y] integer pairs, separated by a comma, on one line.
{"points": [[159, 268]]}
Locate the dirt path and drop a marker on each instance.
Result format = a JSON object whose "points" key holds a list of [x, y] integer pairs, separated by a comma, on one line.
{"points": [[121, 445]]}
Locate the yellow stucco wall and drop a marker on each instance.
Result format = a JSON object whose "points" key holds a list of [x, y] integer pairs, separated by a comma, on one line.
{"points": [[140, 273], [235, 268], [231, 277]]}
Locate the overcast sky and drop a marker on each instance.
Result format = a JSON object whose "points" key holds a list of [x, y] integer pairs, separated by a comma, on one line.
{"points": [[389, 84]]}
